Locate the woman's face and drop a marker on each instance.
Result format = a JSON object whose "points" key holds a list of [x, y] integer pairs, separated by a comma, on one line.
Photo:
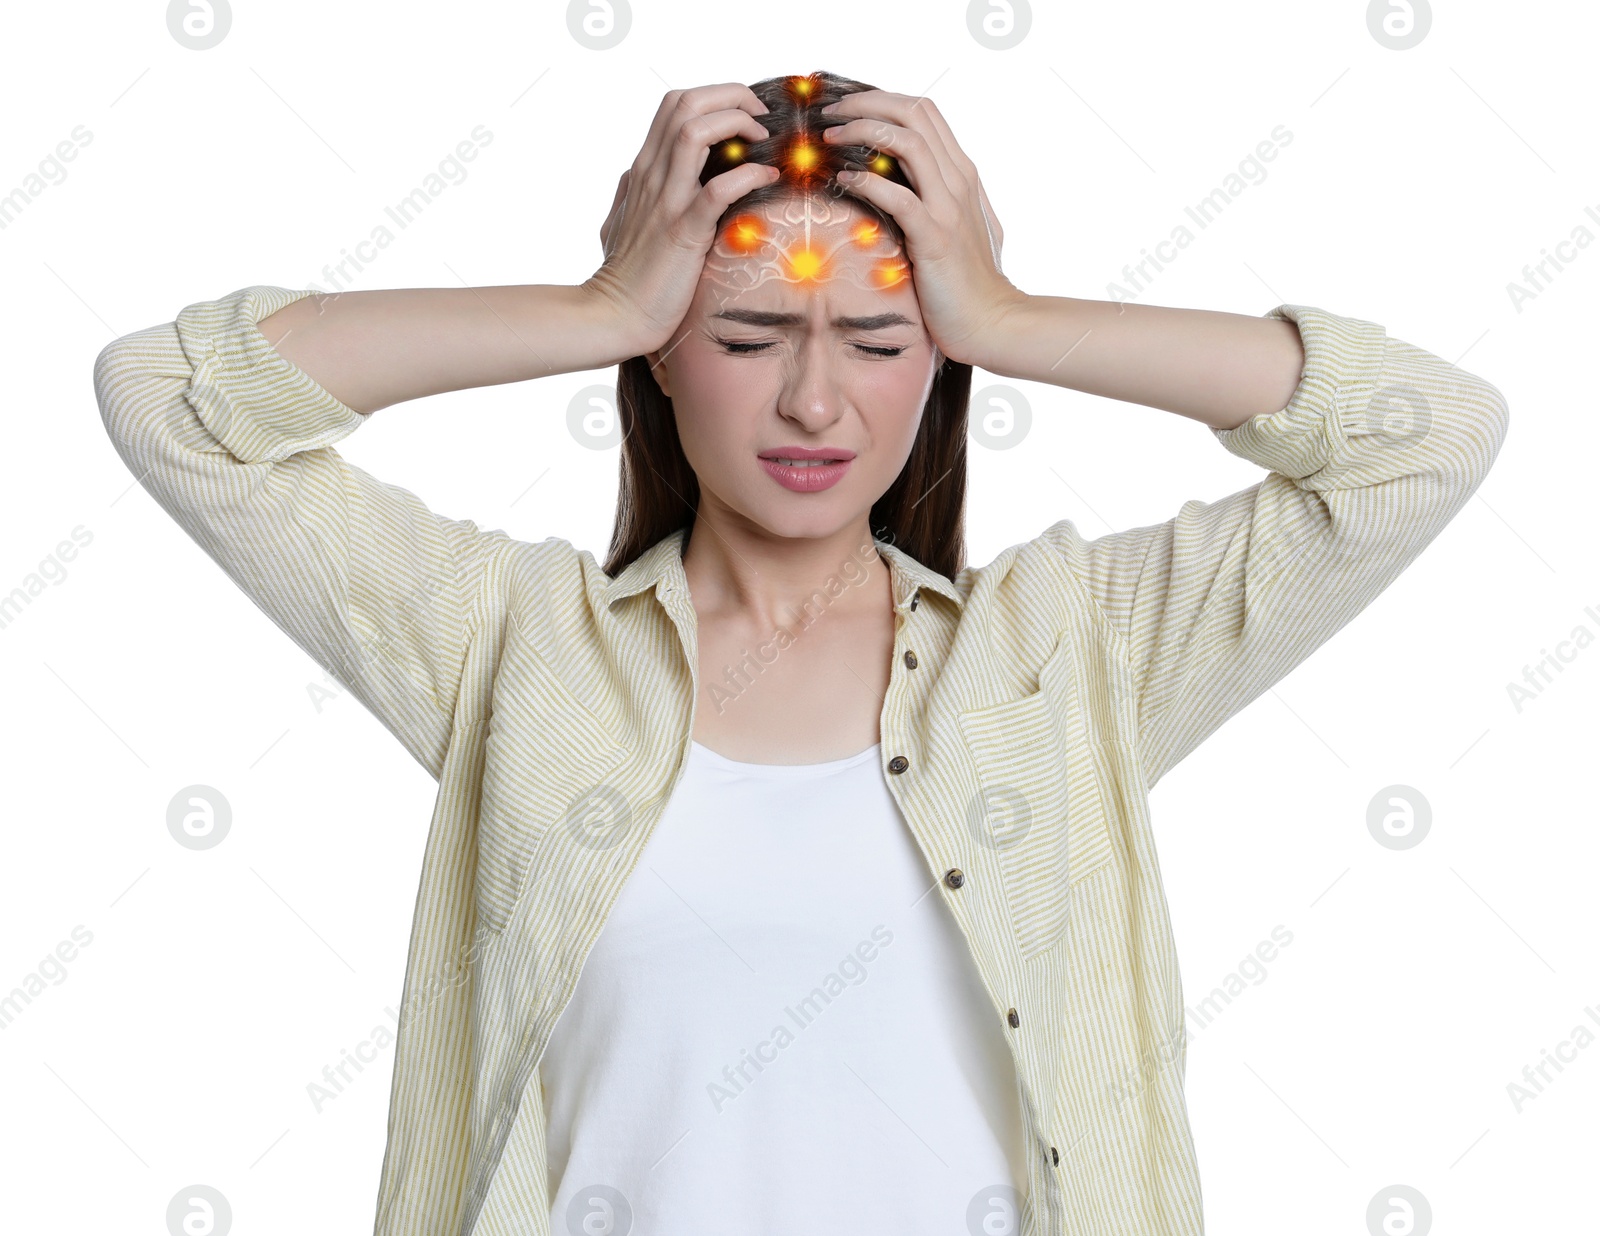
{"points": [[804, 332]]}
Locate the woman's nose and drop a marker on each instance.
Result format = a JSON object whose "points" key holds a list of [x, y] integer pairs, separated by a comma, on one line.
{"points": [[810, 393]]}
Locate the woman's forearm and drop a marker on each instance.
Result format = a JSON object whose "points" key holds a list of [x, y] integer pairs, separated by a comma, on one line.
{"points": [[371, 349], [1218, 368]]}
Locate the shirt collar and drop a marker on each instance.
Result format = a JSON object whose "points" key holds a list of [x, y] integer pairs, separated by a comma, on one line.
{"points": [[661, 567]]}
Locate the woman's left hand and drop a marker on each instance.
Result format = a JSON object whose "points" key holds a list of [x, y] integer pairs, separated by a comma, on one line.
{"points": [[951, 231]]}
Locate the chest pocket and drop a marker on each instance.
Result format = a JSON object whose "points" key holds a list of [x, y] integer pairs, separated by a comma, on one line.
{"points": [[546, 759], [1039, 808]]}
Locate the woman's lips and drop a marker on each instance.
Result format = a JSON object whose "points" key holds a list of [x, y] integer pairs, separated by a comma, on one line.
{"points": [[807, 479]]}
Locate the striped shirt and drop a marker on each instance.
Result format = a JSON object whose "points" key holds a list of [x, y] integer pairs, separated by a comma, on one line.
{"points": [[1048, 691]]}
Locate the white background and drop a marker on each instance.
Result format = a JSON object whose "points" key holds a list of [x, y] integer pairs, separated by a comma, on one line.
{"points": [[176, 1047]]}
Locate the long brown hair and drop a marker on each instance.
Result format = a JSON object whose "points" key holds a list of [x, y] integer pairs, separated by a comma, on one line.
{"points": [[923, 511]]}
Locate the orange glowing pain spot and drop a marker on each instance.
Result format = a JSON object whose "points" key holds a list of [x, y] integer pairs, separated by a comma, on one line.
{"points": [[734, 150], [866, 233], [806, 263], [744, 234], [803, 157], [890, 272], [881, 165]]}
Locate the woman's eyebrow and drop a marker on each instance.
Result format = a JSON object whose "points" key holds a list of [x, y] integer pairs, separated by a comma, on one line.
{"points": [[762, 317]]}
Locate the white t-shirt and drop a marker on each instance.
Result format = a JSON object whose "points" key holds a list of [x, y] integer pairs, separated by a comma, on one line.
{"points": [[780, 1029]]}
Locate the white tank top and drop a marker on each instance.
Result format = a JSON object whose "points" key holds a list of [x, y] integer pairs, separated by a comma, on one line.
{"points": [[780, 1028]]}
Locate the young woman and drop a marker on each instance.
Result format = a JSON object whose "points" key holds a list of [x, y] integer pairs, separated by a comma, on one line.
{"points": [[787, 873]]}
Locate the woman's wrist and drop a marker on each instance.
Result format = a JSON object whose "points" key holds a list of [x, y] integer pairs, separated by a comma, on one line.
{"points": [[621, 330], [993, 346]]}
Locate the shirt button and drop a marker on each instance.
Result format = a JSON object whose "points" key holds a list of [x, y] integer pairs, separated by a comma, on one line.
{"points": [[1011, 1016], [911, 659], [954, 878], [899, 764], [1054, 1157], [915, 597]]}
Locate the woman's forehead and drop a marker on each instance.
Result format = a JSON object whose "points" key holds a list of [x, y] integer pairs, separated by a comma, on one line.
{"points": [[806, 240]]}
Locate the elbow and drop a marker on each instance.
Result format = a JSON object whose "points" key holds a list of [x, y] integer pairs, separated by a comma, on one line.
{"points": [[1462, 427], [1477, 408], [1469, 440], [1500, 408], [115, 371], [133, 376], [1488, 416]]}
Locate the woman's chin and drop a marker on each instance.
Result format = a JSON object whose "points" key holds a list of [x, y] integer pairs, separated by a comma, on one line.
{"points": [[822, 518]]}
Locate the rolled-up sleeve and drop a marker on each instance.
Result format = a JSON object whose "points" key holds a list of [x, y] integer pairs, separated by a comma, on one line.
{"points": [[1379, 447], [235, 443]]}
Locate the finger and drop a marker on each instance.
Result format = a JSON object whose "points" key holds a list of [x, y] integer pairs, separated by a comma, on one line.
{"points": [[696, 101], [658, 127], [925, 106], [718, 193], [908, 208], [918, 157], [960, 158], [679, 179], [914, 112]]}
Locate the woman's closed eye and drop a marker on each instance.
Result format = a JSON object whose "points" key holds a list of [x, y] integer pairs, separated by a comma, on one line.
{"points": [[739, 348]]}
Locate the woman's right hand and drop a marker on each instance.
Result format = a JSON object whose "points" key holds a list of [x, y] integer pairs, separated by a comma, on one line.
{"points": [[663, 220]]}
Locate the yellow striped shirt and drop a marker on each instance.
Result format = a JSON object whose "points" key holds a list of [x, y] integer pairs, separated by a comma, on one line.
{"points": [[1050, 689]]}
